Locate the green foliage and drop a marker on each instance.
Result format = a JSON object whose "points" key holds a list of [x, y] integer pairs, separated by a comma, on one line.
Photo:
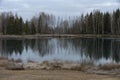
{"points": [[107, 23], [26, 29], [33, 30]]}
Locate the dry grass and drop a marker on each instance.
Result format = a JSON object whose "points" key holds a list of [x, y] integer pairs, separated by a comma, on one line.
{"points": [[18, 61], [70, 71], [1, 58], [77, 68], [110, 66]]}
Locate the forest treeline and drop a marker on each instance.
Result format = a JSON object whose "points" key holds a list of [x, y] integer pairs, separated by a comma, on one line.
{"points": [[95, 22]]}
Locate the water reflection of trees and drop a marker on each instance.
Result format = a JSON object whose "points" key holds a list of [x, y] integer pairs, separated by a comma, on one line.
{"points": [[10, 46], [41, 46], [97, 48], [94, 48]]}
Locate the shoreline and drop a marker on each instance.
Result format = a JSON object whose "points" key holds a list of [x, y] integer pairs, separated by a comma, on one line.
{"points": [[59, 36], [57, 70], [89, 68]]}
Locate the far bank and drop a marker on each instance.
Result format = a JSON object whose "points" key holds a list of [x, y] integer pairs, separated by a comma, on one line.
{"points": [[59, 36]]}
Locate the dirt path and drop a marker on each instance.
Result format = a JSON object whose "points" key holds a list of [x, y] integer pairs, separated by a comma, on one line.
{"points": [[51, 75]]}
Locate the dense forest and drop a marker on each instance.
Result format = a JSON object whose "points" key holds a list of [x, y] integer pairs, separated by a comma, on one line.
{"points": [[95, 22]]}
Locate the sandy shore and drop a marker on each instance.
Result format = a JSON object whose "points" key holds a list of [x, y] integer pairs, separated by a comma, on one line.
{"points": [[56, 70]]}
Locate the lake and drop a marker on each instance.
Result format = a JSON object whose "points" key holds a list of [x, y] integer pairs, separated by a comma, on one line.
{"points": [[95, 50]]}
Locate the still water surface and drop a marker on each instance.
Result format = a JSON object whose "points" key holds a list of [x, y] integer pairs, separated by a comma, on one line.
{"points": [[95, 50]]}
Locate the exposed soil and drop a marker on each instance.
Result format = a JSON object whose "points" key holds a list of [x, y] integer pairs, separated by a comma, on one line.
{"points": [[51, 75]]}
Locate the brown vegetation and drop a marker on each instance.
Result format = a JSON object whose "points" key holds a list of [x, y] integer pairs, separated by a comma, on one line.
{"points": [[110, 66], [56, 70]]}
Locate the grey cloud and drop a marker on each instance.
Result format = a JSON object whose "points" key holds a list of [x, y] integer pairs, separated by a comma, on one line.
{"points": [[29, 8], [119, 1], [0, 1]]}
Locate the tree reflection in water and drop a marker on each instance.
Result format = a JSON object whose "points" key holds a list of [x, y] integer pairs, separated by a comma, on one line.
{"points": [[77, 49]]}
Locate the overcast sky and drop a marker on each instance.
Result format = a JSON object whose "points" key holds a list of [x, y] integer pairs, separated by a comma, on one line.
{"points": [[29, 8]]}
